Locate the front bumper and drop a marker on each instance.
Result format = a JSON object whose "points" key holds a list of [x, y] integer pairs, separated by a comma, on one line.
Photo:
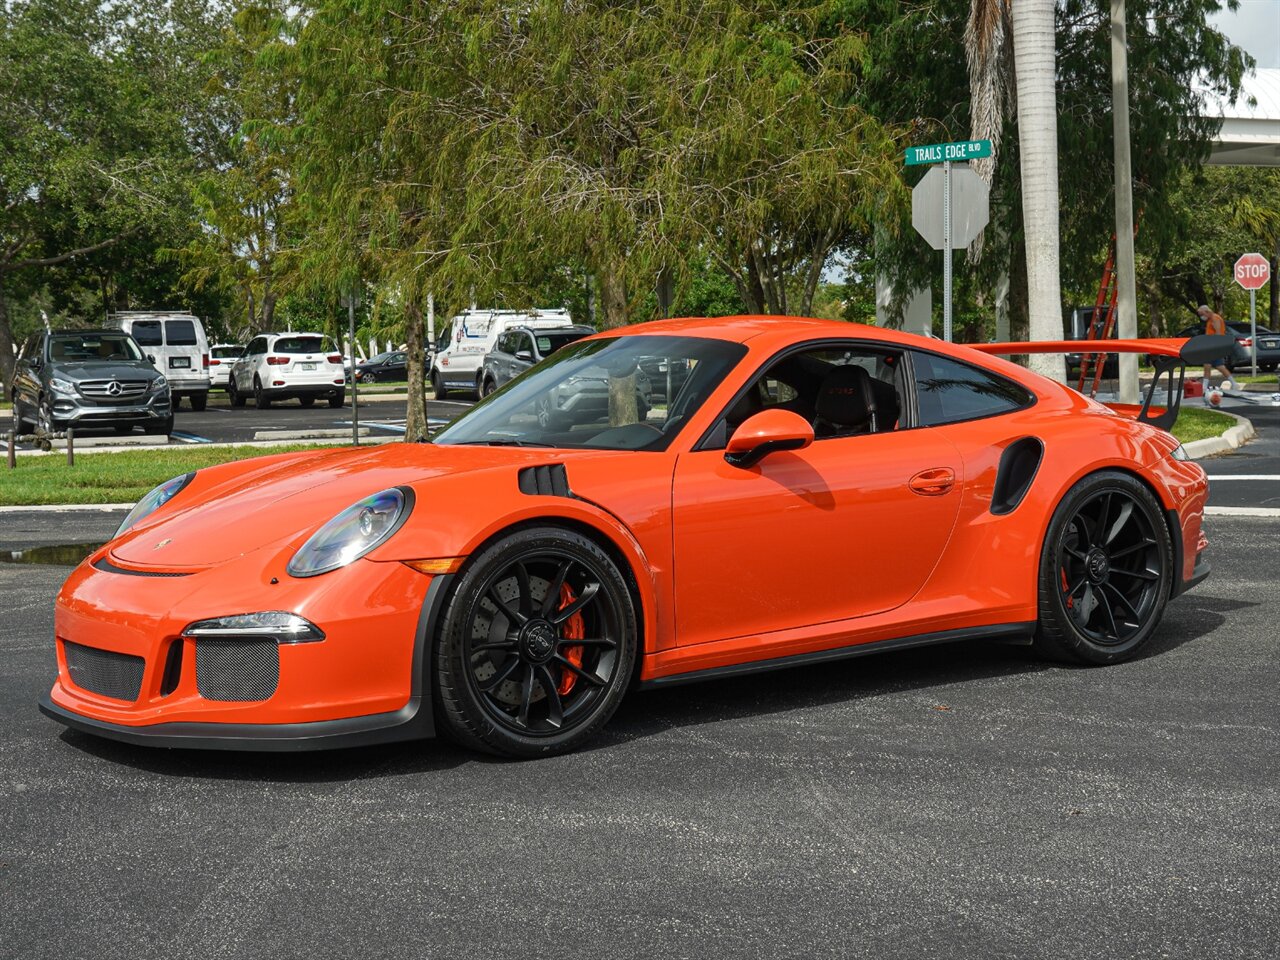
{"points": [[78, 412], [363, 683]]}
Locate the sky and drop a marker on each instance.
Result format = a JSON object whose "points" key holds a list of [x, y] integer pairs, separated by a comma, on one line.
{"points": [[1256, 27]]}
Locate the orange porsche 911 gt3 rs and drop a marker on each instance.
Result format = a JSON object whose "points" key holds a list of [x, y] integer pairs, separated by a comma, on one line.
{"points": [[668, 502]]}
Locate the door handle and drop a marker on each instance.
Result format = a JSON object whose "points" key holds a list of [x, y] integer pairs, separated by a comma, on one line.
{"points": [[933, 483]]}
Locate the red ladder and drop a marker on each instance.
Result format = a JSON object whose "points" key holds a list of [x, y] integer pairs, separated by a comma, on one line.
{"points": [[1100, 322]]}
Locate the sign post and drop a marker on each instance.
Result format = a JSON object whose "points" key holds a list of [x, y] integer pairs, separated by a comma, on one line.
{"points": [[963, 199], [1252, 271]]}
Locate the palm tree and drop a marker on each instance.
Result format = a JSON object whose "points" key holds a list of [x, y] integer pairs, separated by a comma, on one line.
{"points": [[1029, 24]]}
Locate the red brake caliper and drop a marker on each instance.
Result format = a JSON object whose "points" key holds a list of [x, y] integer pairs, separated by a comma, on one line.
{"points": [[1065, 586], [571, 629]]}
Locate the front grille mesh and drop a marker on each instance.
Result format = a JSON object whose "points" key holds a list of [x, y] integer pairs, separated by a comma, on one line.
{"points": [[100, 390], [110, 674], [231, 669]]}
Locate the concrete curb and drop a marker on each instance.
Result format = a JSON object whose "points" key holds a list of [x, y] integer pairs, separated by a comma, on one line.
{"points": [[1231, 439]]}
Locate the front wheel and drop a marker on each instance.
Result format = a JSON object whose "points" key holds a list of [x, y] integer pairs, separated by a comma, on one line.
{"points": [[237, 398], [438, 387], [161, 428], [536, 646], [488, 388], [260, 398], [1106, 571]]}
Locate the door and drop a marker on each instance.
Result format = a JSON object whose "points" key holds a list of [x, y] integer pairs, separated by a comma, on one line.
{"points": [[851, 526]]}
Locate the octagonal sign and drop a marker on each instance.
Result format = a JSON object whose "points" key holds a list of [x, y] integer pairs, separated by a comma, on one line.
{"points": [[1252, 271]]}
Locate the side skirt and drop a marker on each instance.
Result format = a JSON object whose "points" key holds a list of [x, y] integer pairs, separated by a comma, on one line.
{"points": [[1000, 631]]}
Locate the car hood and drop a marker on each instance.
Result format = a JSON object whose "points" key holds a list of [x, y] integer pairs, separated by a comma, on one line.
{"points": [[233, 510], [104, 370]]}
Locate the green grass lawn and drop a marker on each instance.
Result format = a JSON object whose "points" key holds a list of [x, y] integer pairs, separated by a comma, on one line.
{"points": [[113, 477], [1196, 423]]}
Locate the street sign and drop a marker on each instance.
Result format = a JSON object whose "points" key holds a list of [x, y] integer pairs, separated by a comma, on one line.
{"points": [[970, 207], [1252, 271], [949, 152], [949, 208]]}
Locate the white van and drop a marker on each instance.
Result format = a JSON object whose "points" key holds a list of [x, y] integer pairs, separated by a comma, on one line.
{"points": [[464, 341], [175, 343]]}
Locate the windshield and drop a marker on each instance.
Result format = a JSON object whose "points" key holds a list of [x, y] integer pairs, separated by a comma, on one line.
{"points": [[313, 344], [601, 394], [227, 353], [93, 346]]}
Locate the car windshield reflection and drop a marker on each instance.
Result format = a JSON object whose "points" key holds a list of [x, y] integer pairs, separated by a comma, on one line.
{"points": [[621, 393]]}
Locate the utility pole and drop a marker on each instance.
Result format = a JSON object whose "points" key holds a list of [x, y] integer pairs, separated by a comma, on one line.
{"points": [[1126, 289]]}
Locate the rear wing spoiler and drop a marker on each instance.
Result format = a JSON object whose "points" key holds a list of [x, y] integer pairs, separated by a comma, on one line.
{"points": [[1167, 356]]}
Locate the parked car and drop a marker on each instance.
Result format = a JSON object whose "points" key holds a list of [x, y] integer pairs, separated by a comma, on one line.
{"points": [[221, 357], [176, 344], [519, 348], [468, 337], [282, 366], [385, 367], [88, 378], [1240, 357]]}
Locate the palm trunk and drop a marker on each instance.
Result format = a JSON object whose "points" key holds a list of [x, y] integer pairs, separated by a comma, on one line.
{"points": [[1034, 58], [415, 424]]}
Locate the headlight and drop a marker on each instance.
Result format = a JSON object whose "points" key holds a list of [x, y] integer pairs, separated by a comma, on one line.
{"points": [[354, 532], [158, 384], [153, 501], [58, 385]]}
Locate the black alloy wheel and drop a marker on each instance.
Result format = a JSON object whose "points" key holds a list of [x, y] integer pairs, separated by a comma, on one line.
{"points": [[1106, 571], [537, 646]]}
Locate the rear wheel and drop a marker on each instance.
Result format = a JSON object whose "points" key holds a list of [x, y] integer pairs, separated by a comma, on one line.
{"points": [[336, 401], [260, 398], [536, 646], [368, 377], [1106, 571]]}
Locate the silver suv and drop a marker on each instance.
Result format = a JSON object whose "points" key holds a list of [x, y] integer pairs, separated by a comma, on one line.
{"points": [[88, 378]]}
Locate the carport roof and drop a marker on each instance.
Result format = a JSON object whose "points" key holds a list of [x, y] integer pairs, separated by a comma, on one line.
{"points": [[1250, 134]]}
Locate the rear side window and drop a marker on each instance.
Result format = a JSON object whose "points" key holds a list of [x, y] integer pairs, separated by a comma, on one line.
{"points": [[299, 345], [180, 333], [949, 391], [147, 333]]}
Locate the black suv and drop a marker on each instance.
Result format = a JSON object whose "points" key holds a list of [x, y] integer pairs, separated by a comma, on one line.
{"points": [[88, 378]]}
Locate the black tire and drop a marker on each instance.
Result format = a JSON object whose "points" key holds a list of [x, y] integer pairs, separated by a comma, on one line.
{"points": [[237, 398], [18, 424], [260, 398], [199, 401], [162, 428], [501, 664], [438, 387], [307, 401], [1106, 571], [336, 401], [487, 388], [45, 422], [122, 428]]}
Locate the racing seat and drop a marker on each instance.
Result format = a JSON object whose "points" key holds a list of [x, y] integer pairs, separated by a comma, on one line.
{"points": [[851, 402]]}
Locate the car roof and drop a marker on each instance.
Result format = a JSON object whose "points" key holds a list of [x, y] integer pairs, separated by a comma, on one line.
{"points": [[81, 331]]}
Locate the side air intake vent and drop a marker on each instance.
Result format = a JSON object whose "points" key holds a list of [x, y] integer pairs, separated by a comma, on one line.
{"points": [[117, 675], [1018, 466], [549, 480], [236, 669]]}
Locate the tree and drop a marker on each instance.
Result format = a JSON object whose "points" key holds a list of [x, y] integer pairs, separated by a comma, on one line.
{"points": [[243, 203], [95, 134]]}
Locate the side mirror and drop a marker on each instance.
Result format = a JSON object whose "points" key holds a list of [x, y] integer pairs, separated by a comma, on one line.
{"points": [[151, 357], [524, 355], [767, 432]]}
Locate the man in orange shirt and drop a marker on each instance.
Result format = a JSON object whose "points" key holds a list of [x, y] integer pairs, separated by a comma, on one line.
{"points": [[1215, 325]]}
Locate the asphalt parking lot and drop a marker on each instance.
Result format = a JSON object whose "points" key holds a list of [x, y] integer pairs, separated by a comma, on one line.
{"points": [[947, 802]]}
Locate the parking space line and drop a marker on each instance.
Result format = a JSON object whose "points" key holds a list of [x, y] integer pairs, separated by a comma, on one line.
{"points": [[189, 437]]}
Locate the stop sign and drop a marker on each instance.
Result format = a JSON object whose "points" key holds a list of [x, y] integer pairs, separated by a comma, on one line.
{"points": [[1253, 270]]}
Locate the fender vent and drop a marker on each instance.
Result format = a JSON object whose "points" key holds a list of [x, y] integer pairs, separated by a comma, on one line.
{"points": [[549, 480], [1018, 466]]}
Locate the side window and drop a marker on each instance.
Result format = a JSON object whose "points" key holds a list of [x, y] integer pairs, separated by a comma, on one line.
{"points": [[949, 391], [257, 347], [524, 342], [147, 333], [504, 343]]}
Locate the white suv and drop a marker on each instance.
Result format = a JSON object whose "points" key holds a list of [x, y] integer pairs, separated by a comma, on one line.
{"points": [[280, 366]]}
